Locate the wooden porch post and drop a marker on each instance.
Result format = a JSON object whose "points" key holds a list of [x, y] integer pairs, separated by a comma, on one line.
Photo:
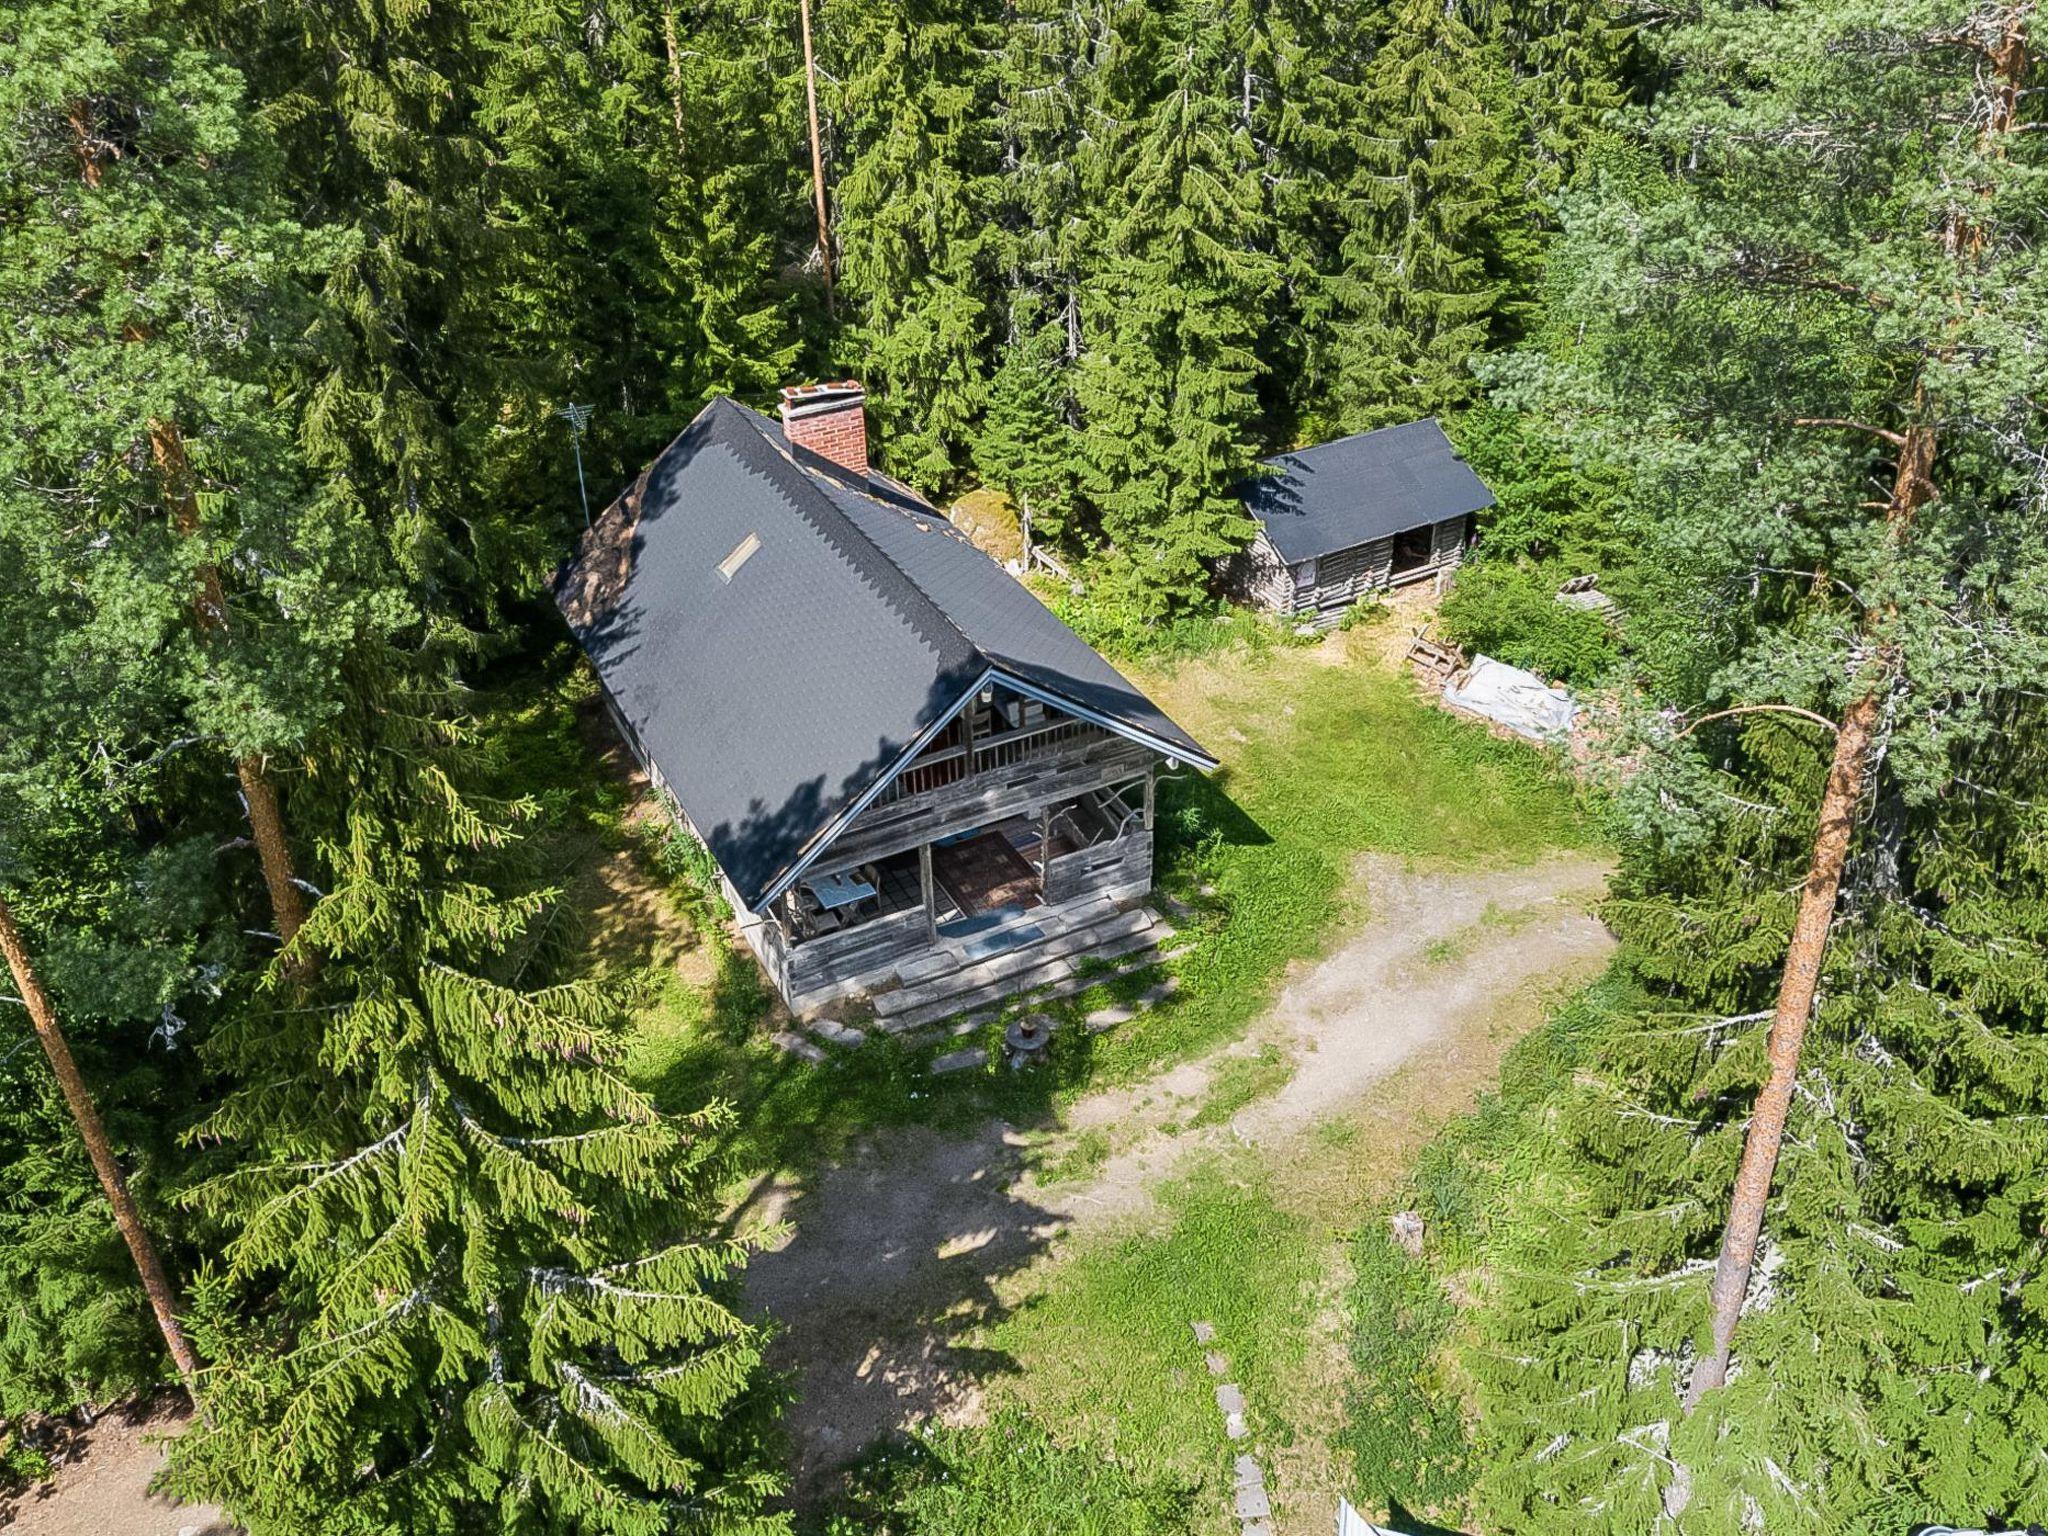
{"points": [[924, 882], [1151, 799], [1044, 846]]}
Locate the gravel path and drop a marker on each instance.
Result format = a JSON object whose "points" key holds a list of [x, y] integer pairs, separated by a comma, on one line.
{"points": [[897, 1255]]}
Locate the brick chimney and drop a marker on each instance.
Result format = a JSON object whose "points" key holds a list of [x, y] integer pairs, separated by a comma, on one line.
{"points": [[829, 419]]}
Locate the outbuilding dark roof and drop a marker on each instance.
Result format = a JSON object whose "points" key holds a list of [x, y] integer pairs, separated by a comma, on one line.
{"points": [[1336, 495], [775, 692]]}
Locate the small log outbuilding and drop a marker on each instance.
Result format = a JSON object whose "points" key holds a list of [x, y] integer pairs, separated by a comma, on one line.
{"points": [[1354, 516], [910, 773]]}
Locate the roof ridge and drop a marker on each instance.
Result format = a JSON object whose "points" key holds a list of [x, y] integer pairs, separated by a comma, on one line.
{"points": [[1352, 437], [933, 624]]}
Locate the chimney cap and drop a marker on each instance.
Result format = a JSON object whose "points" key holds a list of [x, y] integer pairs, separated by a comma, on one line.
{"points": [[803, 399]]}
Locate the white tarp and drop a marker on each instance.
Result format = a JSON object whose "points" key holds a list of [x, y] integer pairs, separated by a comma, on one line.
{"points": [[1519, 700], [1351, 1523]]}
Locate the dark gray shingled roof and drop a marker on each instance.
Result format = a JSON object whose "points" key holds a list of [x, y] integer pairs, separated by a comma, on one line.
{"points": [[773, 701], [1337, 495]]}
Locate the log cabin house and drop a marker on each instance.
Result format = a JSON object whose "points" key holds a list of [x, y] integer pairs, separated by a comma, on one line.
{"points": [[913, 777], [1354, 516]]}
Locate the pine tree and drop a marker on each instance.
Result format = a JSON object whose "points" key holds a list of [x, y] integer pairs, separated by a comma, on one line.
{"points": [[92, 1131], [1762, 334], [462, 1285], [112, 816], [1168, 386], [149, 265]]}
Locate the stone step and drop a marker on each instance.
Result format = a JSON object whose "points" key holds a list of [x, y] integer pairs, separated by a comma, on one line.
{"points": [[796, 1045], [947, 957], [962, 1061], [937, 1034], [1135, 957], [1123, 1013], [1108, 941], [832, 1032], [951, 1000], [1014, 963]]}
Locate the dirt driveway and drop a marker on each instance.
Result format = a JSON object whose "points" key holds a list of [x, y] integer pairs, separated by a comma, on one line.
{"points": [[899, 1254]]}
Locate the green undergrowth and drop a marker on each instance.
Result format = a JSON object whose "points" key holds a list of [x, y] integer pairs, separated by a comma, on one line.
{"points": [[1407, 1429], [1008, 1478], [1240, 1080], [1404, 1428], [1109, 1354]]}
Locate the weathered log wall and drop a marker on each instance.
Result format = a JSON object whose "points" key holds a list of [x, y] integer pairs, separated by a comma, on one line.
{"points": [[1114, 867], [828, 958], [1260, 577]]}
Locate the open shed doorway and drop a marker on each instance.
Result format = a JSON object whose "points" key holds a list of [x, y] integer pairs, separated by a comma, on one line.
{"points": [[1412, 551]]}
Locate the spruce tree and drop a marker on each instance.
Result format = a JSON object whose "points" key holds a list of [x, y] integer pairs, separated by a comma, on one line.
{"points": [[1046, 77], [463, 1285], [404, 391], [645, 178], [909, 117], [1437, 239], [1168, 386], [1025, 447]]}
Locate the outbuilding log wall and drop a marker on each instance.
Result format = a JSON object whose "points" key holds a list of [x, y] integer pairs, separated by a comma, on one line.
{"points": [[1261, 577]]}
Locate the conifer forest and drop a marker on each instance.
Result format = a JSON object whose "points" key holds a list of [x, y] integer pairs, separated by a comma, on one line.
{"points": [[316, 1117]]}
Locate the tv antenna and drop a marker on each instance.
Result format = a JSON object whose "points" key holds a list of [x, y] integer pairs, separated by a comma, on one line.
{"points": [[578, 417]]}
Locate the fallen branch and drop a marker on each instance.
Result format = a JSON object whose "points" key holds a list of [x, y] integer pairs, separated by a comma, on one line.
{"points": [[1753, 709]]}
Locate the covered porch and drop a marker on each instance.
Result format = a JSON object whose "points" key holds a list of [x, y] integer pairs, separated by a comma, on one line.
{"points": [[967, 893]]}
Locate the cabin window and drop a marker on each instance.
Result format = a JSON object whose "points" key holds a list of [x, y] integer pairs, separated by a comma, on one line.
{"points": [[1305, 573], [729, 567]]}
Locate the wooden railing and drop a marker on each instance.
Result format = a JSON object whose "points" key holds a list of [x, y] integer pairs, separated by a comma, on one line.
{"points": [[935, 770], [949, 765], [1014, 747]]}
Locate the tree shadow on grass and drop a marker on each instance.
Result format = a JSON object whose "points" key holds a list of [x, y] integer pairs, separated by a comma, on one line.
{"points": [[893, 1262], [1401, 1519]]}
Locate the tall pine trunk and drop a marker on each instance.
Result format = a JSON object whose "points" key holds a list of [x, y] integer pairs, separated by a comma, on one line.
{"points": [[259, 795], [156, 1284], [2005, 56], [817, 153], [209, 604]]}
